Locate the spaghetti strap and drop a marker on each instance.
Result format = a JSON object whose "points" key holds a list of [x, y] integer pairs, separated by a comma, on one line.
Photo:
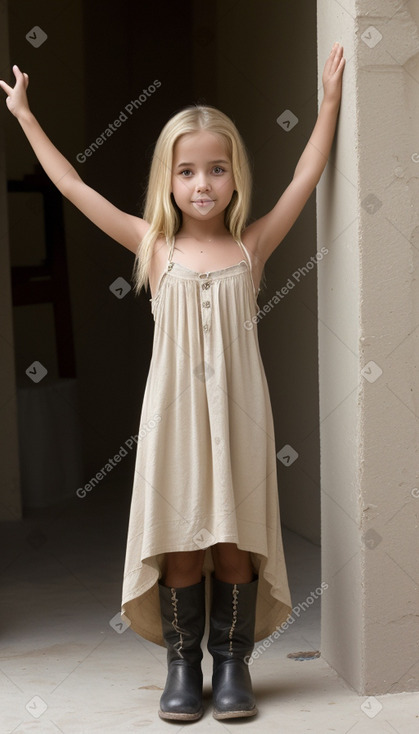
{"points": [[246, 253], [171, 246]]}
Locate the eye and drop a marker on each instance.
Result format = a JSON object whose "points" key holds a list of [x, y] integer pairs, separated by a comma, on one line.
{"points": [[219, 168], [186, 170]]}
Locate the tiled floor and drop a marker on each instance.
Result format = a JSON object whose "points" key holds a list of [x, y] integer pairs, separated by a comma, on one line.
{"points": [[65, 668]]}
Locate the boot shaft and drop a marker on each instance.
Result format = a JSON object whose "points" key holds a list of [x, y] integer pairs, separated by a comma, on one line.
{"points": [[183, 620], [232, 620]]}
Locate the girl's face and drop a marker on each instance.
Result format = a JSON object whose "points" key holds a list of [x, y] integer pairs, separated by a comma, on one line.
{"points": [[202, 178]]}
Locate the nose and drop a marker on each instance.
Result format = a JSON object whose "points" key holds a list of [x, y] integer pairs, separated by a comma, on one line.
{"points": [[202, 184]]}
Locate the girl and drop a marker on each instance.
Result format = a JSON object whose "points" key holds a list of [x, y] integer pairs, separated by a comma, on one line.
{"points": [[204, 527]]}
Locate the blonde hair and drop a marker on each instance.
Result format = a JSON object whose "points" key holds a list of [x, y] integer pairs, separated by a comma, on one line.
{"points": [[161, 210]]}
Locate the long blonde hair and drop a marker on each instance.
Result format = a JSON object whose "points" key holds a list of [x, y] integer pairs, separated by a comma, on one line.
{"points": [[161, 210]]}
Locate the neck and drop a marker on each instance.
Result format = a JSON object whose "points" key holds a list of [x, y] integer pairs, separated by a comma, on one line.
{"points": [[203, 231]]}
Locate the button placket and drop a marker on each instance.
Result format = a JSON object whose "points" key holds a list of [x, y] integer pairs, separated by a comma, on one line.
{"points": [[205, 302]]}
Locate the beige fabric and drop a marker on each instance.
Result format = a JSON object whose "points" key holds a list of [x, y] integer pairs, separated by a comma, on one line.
{"points": [[205, 468]]}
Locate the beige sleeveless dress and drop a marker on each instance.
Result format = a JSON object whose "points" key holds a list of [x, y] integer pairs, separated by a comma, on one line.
{"points": [[205, 469]]}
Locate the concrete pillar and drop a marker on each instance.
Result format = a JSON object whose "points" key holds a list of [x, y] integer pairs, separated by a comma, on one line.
{"points": [[10, 499], [368, 307]]}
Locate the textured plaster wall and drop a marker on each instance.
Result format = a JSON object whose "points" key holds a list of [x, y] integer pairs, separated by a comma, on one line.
{"points": [[368, 311]]}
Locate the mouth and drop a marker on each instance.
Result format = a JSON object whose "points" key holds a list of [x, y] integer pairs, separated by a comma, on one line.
{"points": [[203, 205]]}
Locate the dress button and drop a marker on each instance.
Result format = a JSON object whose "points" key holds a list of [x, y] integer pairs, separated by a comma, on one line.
{"points": [[205, 285], [206, 304], [205, 327]]}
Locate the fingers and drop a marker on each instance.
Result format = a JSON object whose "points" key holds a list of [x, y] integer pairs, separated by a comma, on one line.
{"points": [[339, 62], [6, 87], [19, 74], [335, 61], [337, 55], [334, 57], [19, 77]]}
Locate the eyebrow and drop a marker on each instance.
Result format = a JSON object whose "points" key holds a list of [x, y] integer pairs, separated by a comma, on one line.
{"points": [[221, 160]]}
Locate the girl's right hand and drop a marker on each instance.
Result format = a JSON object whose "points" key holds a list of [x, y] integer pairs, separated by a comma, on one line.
{"points": [[17, 100]]}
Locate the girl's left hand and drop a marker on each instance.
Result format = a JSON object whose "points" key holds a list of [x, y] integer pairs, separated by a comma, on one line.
{"points": [[332, 74]]}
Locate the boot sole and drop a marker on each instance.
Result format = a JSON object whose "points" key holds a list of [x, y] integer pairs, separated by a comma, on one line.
{"points": [[233, 714], [180, 716]]}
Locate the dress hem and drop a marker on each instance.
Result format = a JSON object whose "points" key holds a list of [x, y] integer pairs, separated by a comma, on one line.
{"points": [[146, 590]]}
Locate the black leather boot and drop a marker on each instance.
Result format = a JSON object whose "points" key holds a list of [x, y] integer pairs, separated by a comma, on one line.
{"points": [[183, 622], [231, 639]]}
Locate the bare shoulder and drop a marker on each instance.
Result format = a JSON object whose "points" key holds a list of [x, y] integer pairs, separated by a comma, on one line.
{"points": [[251, 239], [250, 242], [157, 263], [139, 228], [160, 251]]}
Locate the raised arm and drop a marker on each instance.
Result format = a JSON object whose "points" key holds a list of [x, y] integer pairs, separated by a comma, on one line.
{"points": [[125, 228], [266, 233]]}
